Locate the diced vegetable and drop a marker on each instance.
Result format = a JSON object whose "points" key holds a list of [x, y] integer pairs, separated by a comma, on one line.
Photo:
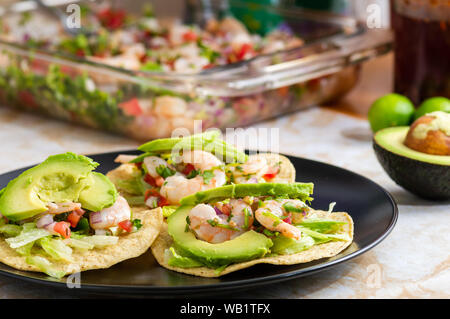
{"points": [[78, 244], [26, 237], [10, 230], [101, 240], [45, 266], [56, 249]]}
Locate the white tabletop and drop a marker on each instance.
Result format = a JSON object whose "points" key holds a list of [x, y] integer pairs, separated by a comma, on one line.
{"points": [[413, 261]]}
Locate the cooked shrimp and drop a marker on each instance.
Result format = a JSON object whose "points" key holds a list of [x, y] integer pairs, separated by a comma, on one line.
{"points": [[176, 187], [170, 106], [124, 158], [202, 217], [255, 167], [111, 216], [59, 208], [270, 217], [241, 213]]}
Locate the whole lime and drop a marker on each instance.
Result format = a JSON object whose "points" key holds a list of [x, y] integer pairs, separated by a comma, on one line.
{"points": [[390, 110], [433, 104]]}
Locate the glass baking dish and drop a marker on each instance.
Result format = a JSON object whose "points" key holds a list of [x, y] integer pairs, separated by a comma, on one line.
{"points": [[146, 105]]}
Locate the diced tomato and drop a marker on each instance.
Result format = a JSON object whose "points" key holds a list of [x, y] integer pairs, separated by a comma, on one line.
{"points": [[159, 181], [111, 18], [27, 98], [62, 228], [149, 180], [245, 48], [190, 36], [162, 201], [131, 107], [226, 209], [208, 66], [126, 225], [189, 168], [288, 219], [138, 165], [74, 217], [271, 173]]}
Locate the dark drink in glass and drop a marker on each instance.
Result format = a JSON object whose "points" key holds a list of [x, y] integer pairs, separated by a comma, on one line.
{"points": [[422, 48]]}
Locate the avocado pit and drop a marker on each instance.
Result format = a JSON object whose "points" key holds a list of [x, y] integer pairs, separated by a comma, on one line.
{"points": [[430, 134]]}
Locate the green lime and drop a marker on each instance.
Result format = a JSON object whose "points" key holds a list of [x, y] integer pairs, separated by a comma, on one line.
{"points": [[390, 110], [431, 105]]}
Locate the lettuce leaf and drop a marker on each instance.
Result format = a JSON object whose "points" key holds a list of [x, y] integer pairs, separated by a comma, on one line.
{"points": [[45, 266], [174, 259], [288, 246], [26, 237], [321, 238], [100, 240], [325, 226], [56, 249], [10, 230]]}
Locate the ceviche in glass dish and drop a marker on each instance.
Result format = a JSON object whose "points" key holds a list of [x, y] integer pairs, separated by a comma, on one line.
{"points": [[144, 75]]}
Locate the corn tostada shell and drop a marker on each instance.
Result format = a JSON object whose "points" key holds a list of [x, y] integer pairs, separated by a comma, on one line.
{"points": [[128, 246], [330, 249]]}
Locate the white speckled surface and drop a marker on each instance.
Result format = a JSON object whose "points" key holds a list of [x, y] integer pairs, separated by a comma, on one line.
{"points": [[413, 262]]}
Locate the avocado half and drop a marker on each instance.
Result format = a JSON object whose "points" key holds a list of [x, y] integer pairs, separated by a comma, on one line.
{"points": [[425, 175]]}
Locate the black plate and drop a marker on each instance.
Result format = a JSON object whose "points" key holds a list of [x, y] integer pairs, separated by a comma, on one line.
{"points": [[372, 208]]}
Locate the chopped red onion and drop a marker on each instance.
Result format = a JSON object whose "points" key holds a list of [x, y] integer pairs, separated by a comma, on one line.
{"points": [[218, 211], [95, 218], [252, 180], [44, 221]]}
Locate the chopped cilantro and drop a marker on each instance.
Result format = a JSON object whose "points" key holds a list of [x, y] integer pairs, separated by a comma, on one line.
{"points": [[165, 171]]}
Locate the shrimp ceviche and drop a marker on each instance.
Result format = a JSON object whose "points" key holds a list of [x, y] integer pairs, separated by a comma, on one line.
{"points": [[163, 175], [147, 43], [235, 226], [58, 213]]}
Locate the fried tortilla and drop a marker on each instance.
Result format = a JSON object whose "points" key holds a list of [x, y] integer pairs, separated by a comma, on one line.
{"points": [[329, 249], [127, 172], [128, 246]]}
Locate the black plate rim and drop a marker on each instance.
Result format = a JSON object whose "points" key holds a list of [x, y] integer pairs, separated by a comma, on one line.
{"points": [[232, 285]]}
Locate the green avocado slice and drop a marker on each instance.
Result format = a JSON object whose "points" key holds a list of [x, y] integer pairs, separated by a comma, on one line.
{"points": [[207, 141], [295, 190], [99, 193], [59, 178], [164, 145], [392, 139], [248, 246]]}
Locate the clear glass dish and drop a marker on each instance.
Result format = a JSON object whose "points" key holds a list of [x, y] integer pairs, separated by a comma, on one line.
{"points": [[147, 105]]}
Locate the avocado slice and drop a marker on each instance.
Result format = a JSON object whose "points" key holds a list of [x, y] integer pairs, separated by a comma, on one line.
{"points": [[99, 193], [207, 141], [249, 245], [59, 178], [293, 190], [164, 145], [423, 174]]}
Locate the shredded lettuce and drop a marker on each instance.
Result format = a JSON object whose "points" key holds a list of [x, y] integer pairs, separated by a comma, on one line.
{"points": [[321, 238], [324, 226], [100, 240], [135, 200], [168, 210], [26, 237], [288, 246], [174, 259], [45, 266], [25, 250], [10, 230], [56, 249], [79, 244]]}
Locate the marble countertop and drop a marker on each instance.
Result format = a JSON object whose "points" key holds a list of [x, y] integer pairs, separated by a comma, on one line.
{"points": [[412, 262]]}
